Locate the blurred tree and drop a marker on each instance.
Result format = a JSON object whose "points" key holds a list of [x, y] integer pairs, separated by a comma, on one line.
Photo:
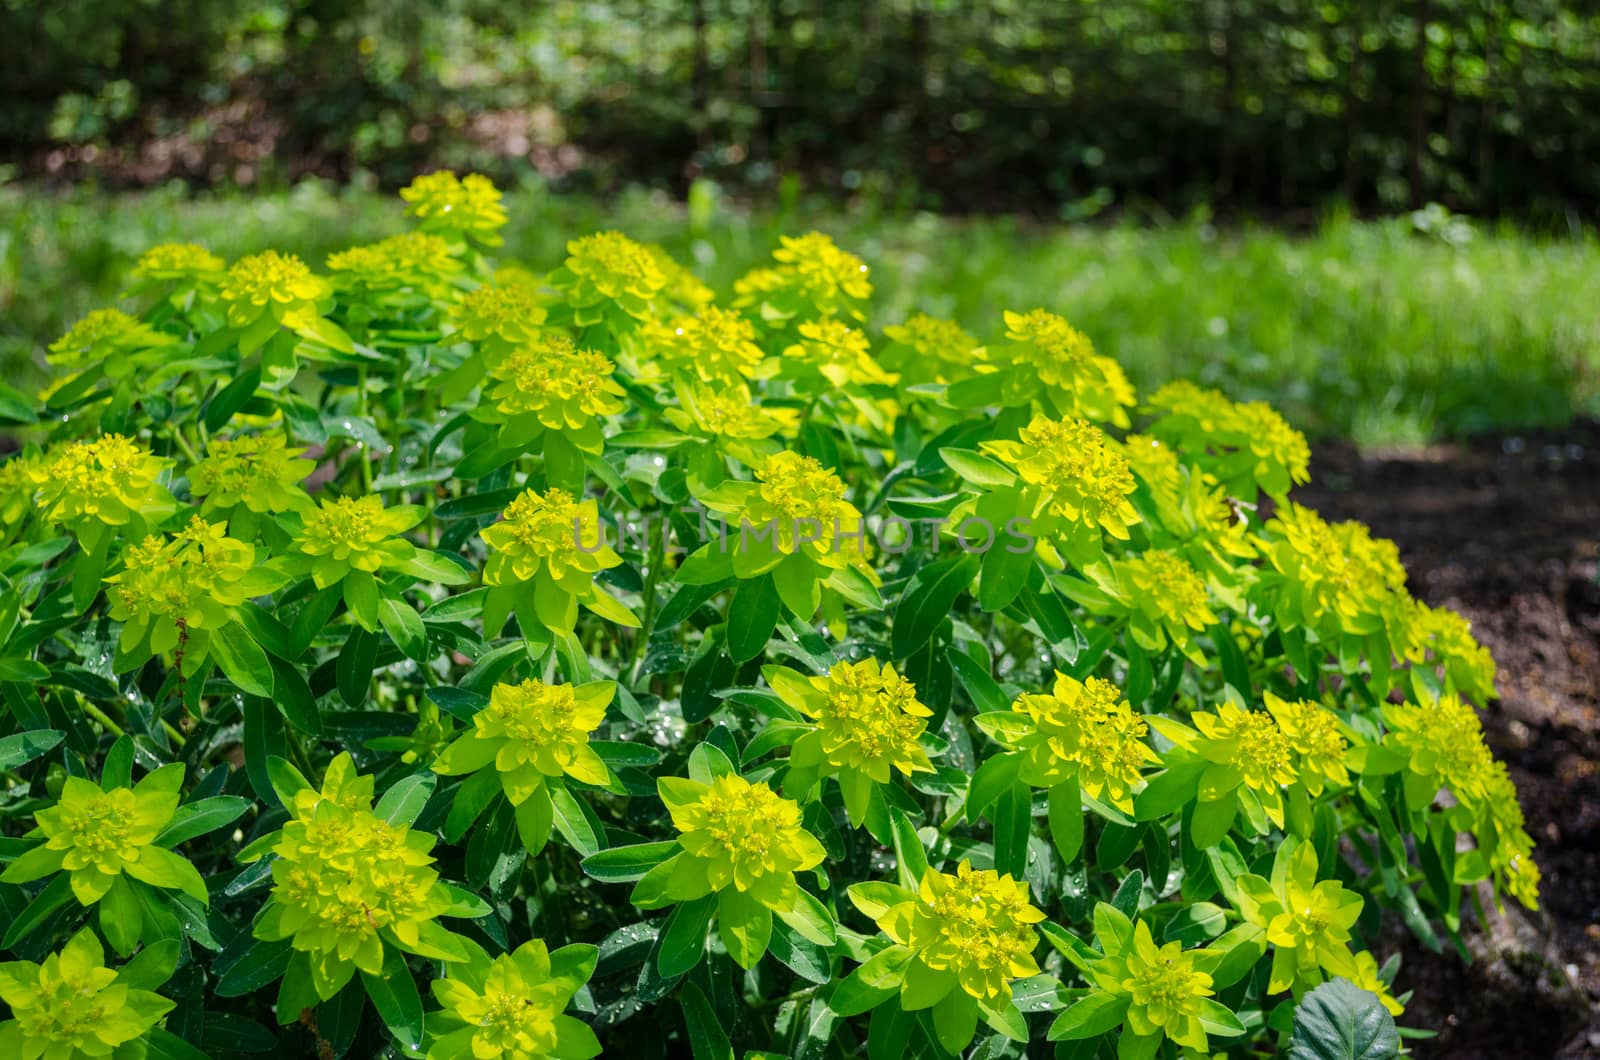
{"points": [[1069, 105]]}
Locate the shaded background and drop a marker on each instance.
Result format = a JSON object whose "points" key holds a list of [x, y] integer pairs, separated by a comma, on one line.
{"points": [[1065, 108], [1377, 214]]}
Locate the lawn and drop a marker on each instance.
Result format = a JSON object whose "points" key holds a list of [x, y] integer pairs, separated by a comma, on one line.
{"points": [[1383, 331]]}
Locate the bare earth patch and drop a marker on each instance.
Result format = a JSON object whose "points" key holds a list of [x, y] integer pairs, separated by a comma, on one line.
{"points": [[1505, 530]]}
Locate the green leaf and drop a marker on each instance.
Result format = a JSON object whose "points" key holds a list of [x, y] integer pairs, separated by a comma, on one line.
{"points": [[231, 398], [744, 925], [402, 803], [24, 747], [876, 981], [911, 856], [1340, 1021], [120, 916], [683, 939], [162, 1044], [646, 440], [977, 468], [24, 671], [1090, 1017], [242, 660], [56, 895], [752, 618], [981, 688], [202, 816], [361, 597], [353, 671], [394, 994], [404, 628], [996, 775], [1012, 826], [259, 965], [626, 864], [1066, 819], [576, 826], [811, 919], [293, 697], [928, 600], [707, 1039]]}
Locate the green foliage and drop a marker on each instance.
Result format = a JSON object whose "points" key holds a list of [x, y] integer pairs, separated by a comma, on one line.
{"points": [[1370, 330], [1340, 1021], [477, 661]]}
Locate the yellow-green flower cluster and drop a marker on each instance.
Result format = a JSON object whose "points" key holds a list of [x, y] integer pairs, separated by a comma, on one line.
{"points": [[1160, 594], [1246, 445], [345, 880], [683, 287], [796, 507], [1194, 513], [97, 836], [610, 278], [1079, 483], [1334, 579], [729, 415], [178, 262], [866, 721], [107, 336], [273, 288], [1160, 991], [258, 471], [931, 350], [419, 261], [813, 278], [113, 481], [19, 485], [1439, 637], [532, 731], [71, 1005], [468, 207], [344, 534], [554, 386], [500, 317], [837, 352], [1046, 352], [1443, 749], [1083, 730], [549, 535], [737, 834], [716, 346], [1307, 922], [1318, 739], [971, 931], [1243, 760], [178, 590], [512, 1007]]}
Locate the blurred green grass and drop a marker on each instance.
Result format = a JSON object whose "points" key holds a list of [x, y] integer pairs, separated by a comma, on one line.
{"points": [[1385, 332]]}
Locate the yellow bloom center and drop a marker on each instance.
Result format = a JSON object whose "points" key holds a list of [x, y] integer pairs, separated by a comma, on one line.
{"points": [[870, 716], [799, 487], [977, 924], [350, 522]]}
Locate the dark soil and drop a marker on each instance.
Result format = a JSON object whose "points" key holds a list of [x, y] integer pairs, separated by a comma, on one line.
{"points": [[1505, 530]]}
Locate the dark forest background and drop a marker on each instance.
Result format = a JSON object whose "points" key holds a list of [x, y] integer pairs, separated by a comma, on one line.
{"points": [[1066, 108]]}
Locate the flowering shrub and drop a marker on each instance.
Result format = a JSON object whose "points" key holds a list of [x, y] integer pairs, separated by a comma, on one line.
{"points": [[433, 657]]}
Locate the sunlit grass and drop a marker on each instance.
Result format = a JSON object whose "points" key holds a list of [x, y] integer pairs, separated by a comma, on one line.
{"points": [[1373, 330]]}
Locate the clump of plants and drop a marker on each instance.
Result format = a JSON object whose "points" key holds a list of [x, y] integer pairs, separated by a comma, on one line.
{"points": [[431, 656]]}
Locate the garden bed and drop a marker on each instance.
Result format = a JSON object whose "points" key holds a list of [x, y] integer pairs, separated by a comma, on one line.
{"points": [[1504, 529]]}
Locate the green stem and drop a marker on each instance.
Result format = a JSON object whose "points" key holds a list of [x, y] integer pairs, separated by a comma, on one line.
{"points": [[100, 716], [361, 447]]}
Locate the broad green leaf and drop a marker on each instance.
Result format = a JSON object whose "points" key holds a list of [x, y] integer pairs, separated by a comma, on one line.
{"points": [[928, 600], [1340, 1021]]}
